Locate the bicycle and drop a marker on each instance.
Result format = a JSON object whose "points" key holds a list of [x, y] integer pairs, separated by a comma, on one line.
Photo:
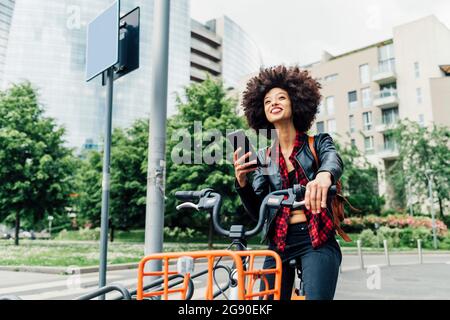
{"points": [[243, 259]]}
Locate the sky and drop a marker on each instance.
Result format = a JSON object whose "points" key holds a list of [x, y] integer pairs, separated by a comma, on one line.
{"points": [[298, 31]]}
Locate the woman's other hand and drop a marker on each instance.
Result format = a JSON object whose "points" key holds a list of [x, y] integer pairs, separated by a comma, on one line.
{"points": [[316, 192]]}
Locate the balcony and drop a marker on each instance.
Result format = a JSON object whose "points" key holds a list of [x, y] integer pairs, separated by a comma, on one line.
{"points": [[383, 127], [386, 99], [198, 75], [385, 72], [211, 66], [201, 31], [388, 152], [203, 48]]}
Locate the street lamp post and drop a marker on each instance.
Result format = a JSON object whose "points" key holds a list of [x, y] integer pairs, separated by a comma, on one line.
{"points": [[429, 176]]}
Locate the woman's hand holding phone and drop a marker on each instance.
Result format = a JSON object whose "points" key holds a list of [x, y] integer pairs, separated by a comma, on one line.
{"points": [[241, 168]]}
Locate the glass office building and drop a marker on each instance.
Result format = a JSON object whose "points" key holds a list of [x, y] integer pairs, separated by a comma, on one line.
{"points": [[6, 13], [46, 46], [240, 54]]}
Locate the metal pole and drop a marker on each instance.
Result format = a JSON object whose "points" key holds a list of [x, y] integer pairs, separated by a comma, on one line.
{"points": [[361, 260], [154, 217], [386, 252], [433, 220], [106, 182], [419, 249]]}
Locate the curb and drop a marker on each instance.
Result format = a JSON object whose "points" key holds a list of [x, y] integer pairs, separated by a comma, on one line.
{"points": [[67, 270]]}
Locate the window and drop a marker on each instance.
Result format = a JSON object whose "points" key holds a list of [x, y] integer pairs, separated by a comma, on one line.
{"points": [[419, 95], [351, 123], [416, 70], [331, 126], [353, 142], [364, 73], [366, 97], [367, 121], [389, 116], [386, 52], [331, 77], [330, 105], [352, 99], [421, 120], [386, 58], [320, 127], [389, 142], [368, 143], [320, 109]]}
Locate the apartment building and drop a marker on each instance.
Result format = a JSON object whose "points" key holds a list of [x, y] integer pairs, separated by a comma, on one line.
{"points": [[366, 91], [6, 14]]}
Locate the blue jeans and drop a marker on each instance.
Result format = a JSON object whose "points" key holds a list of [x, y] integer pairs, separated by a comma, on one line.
{"points": [[320, 267]]}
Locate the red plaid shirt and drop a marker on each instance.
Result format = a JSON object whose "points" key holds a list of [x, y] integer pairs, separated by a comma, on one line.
{"points": [[320, 225]]}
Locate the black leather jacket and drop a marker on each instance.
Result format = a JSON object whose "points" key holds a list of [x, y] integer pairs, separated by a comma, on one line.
{"points": [[266, 180]]}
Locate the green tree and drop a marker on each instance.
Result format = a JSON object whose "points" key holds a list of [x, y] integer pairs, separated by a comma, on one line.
{"points": [[421, 149], [88, 186], [359, 181], [206, 103], [128, 179], [36, 169]]}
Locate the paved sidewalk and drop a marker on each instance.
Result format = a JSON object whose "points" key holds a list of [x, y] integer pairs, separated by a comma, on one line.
{"points": [[404, 279]]}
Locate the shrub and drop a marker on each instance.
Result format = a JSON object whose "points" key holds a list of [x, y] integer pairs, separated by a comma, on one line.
{"points": [[406, 237], [81, 234], [357, 224], [181, 235], [368, 238], [445, 243], [388, 212], [409, 237], [446, 220], [392, 235]]}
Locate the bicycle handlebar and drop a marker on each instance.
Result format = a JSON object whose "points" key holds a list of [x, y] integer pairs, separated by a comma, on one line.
{"points": [[191, 195], [212, 200]]}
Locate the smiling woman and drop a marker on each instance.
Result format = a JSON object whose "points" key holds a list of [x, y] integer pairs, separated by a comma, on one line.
{"points": [[286, 99]]}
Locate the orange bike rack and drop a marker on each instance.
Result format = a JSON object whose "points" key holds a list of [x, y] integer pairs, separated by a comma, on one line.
{"points": [[244, 293]]}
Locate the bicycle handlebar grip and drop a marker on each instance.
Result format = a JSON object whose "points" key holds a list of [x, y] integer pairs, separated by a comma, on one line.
{"points": [[187, 195]]}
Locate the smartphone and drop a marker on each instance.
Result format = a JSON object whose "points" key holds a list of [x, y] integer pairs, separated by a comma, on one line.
{"points": [[239, 139]]}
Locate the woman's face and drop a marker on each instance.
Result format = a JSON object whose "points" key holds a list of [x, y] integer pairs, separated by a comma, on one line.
{"points": [[277, 106]]}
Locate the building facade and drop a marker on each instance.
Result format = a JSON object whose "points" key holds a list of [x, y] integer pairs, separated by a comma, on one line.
{"points": [[47, 42], [6, 13], [221, 48], [366, 91], [46, 46]]}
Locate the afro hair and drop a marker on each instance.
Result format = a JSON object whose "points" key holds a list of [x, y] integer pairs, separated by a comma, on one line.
{"points": [[303, 90]]}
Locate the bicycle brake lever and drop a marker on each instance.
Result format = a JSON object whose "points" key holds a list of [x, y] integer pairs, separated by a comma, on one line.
{"points": [[187, 205]]}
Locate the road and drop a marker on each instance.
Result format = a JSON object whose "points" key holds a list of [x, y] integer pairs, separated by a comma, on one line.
{"points": [[403, 279]]}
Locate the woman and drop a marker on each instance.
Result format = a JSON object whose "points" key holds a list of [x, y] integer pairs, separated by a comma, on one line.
{"points": [[287, 99]]}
